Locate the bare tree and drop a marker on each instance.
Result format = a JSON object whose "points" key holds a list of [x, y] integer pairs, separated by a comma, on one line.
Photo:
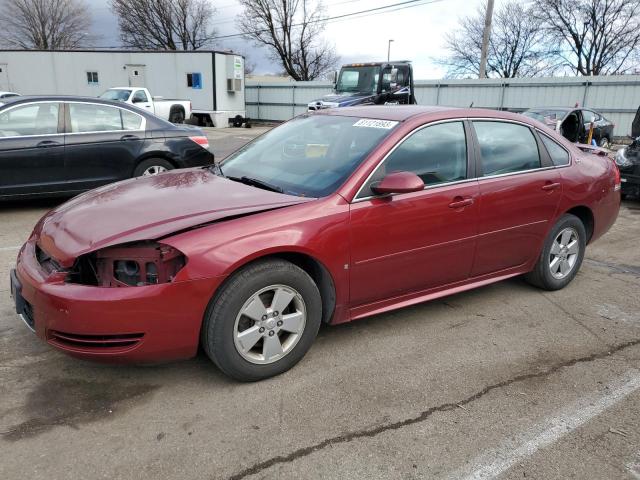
{"points": [[45, 24], [292, 30], [596, 37], [516, 47], [164, 24]]}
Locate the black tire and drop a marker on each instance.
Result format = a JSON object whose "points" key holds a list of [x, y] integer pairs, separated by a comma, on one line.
{"points": [[237, 121], [149, 164], [541, 276], [219, 327], [605, 142], [176, 116]]}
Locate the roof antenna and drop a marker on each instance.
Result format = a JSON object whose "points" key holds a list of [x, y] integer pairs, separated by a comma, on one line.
{"points": [[471, 106]]}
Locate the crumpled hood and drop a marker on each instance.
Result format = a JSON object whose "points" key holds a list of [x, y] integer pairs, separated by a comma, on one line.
{"points": [[148, 208], [344, 99]]}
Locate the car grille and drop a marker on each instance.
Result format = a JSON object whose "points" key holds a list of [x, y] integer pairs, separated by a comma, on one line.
{"points": [[95, 342]]}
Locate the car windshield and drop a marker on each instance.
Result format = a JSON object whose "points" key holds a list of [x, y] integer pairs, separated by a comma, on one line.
{"points": [[309, 156], [546, 115], [119, 95], [358, 79]]}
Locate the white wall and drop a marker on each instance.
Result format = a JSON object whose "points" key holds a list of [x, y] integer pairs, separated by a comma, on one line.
{"points": [[64, 73]]}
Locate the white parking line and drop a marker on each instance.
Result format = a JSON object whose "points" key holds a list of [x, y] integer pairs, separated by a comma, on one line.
{"points": [[495, 462], [8, 249]]}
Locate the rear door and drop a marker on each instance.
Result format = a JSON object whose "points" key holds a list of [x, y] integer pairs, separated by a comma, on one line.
{"points": [[519, 195], [32, 149], [102, 143]]}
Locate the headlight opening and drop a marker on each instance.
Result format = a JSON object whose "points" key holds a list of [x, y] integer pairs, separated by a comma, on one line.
{"points": [[132, 265]]}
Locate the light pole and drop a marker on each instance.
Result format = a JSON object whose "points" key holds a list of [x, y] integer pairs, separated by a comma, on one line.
{"points": [[389, 50], [485, 39]]}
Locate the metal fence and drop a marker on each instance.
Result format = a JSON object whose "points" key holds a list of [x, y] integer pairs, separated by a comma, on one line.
{"points": [[616, 97]]}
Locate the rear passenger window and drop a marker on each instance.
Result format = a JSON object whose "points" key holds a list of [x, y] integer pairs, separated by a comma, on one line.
{"points": [[86, 117], [506, 147], [437, 154], [130, 120], [559, 156]]}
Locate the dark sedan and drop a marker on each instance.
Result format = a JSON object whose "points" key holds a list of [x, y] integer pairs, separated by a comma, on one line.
{"points": [[574, 123], [65, 145]]}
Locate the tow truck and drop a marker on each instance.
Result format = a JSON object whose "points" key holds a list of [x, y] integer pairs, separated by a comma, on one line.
{"points": [[375, 83]]}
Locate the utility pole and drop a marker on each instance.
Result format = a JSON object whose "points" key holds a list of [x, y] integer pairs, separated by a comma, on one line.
{"points": [[389, 50], [485, 39]]}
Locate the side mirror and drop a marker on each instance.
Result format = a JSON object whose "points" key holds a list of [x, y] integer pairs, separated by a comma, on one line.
{"points": [[136, 100], [398, 182]]}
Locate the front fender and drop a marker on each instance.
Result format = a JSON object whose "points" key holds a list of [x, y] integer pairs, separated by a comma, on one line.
{"points": [[318, 229]]}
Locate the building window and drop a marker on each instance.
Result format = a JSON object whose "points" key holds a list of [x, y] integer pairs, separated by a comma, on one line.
{"points": [[92, 78], [194, 80]]}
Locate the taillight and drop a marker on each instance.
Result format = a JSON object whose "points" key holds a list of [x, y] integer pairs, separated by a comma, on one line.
{"points": [[201, 140], [618, 181]]}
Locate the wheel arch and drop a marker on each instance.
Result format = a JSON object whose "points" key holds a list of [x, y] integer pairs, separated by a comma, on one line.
{"points": [[156, 154], [586, 217], [308, 263]]}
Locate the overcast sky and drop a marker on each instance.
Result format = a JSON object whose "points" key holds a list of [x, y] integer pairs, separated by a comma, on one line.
{"points": [[417, 32]]}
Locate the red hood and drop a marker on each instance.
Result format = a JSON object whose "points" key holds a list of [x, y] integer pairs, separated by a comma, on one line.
{"points": [[147, 208]]}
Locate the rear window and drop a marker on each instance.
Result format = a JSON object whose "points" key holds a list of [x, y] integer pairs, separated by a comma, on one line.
{"points": [[506, 147], [559, 156]]}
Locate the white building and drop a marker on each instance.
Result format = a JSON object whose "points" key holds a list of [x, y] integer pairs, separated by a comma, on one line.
{"points": [[213, 81]]}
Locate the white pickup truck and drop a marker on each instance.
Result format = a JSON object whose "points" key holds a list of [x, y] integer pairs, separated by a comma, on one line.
{"points": [[176, 111]]}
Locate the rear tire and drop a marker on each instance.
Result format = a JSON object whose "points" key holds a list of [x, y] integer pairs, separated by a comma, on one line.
{"points": [[246, 335], [152, 166], [176, 116], [561, 255]]}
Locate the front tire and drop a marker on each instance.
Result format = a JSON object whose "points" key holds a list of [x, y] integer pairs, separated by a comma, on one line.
{"points": [[263, 320], [561, 256]]}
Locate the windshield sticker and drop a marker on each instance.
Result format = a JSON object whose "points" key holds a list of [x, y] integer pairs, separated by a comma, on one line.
{"points": [[370, 123]]}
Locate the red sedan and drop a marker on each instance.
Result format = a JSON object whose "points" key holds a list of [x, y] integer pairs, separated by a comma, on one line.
{"points": [[330, 217]]}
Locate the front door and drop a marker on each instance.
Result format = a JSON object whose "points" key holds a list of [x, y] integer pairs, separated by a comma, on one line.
{"points": [[31, 149], [141, 100], [102, 144], [519, 195], [410, 242]]}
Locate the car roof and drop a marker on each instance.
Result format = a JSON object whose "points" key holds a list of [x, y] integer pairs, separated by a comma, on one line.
{"points": [[400, 113], [61, 98]]}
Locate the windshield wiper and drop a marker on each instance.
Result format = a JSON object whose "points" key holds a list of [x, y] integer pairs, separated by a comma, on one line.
{"points": [[257, 183]]}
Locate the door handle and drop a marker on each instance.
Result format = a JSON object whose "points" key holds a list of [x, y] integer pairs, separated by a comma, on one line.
{"points": [[129, 137], [549, 186], [47, 143], [460, 202]]}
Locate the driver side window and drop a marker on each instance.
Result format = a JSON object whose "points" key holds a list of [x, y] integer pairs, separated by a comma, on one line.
{"points": [[140, 97], [437, 154]]}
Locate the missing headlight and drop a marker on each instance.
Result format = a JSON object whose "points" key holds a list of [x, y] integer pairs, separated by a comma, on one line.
{"points": [[132, 265]]}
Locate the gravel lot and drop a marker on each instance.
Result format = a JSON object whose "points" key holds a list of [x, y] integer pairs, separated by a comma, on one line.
{"points": [[501, 381]]}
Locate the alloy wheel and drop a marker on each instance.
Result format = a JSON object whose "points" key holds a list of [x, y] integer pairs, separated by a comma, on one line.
{"points": [[154, 170], [270, 324], [564, 253]]}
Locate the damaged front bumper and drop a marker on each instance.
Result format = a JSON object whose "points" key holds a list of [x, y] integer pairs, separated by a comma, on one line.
{"points": [[128, 324]]}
